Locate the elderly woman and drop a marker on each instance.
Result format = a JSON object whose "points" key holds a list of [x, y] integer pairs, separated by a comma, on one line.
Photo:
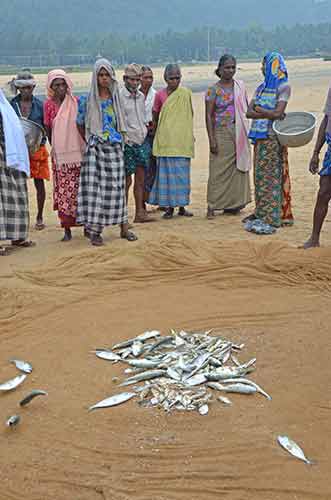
{"points": [[14, 170], [173, 145], [272, 181], [227, 127], [26, 105], [102, 200], [324, 193], [60, 112]]}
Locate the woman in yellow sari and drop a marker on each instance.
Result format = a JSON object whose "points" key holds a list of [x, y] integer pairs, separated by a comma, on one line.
{"points": [[173, 145]]}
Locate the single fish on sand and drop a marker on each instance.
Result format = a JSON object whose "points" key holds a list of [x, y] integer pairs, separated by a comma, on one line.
{"points": [[23, 366], [293, 449], [13, 421], [31, 396], [13, 383], [113, 400]]}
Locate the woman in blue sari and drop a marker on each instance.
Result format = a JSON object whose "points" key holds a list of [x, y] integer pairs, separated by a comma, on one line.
{"points": [[271, 174]]}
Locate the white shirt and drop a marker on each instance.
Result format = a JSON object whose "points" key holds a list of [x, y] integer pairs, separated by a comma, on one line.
{"points": [[149, 102]]}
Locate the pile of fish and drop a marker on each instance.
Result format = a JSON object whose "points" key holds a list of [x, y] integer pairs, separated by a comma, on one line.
{"points": [[12, 384], [181, 371]]}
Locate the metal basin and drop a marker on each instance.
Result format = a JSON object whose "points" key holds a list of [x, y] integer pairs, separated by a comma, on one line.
{"points": [[33, 133], [296, 130]]}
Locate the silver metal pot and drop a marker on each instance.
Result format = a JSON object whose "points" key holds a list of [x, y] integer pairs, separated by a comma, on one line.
{"points": [[33, 133]]}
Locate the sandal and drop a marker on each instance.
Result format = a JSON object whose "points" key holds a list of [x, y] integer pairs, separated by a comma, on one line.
{"points": [[3, 251], [248, 218], [97, 241], [184, 213], [129, 236], [211, 214], [168, 214], [87, 233], [23, 243], [39, 225]]}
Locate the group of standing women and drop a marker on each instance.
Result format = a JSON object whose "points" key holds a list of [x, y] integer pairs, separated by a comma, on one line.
{"points": [[227, 119], [100, 140]]}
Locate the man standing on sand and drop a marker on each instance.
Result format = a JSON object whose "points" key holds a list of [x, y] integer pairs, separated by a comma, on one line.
{"points": [[324, 193], [137, 150]]}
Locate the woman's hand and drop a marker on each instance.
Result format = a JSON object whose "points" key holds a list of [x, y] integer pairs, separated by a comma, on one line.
{"points": [[213, 147], [314, 163]]}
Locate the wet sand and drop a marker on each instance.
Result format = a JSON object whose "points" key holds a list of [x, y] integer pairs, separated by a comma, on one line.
{"points": [[60, 300]]}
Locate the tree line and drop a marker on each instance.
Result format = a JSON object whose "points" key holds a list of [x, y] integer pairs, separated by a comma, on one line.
{"points": [[200, 44]]}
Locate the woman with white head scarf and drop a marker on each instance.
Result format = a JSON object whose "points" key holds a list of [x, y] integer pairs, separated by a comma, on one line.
{"points": [[14, 171], [101, 198]]}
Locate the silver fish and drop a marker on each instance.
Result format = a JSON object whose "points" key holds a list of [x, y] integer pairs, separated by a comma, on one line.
{"points": [[137, 348], [147, 375], [23, 366], [249, 382], [13, 383], [240, 388], [199, 363], [224, 400], [108, 355], [203, 410], [13, 421], [113, 400], [148, 335], [159, 343], [198, 379], [172, 373], [31, 396], [293, 449], [143, 363]]}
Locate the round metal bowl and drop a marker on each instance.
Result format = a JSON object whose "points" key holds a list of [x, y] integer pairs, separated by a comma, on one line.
{"points": [[296, 130], [33, 133]]}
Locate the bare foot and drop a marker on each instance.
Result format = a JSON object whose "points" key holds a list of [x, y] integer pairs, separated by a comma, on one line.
{"points": [[310, 244]]}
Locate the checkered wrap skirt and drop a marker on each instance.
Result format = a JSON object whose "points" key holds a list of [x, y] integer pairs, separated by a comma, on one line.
{"points": [[14, 204], [101, 194]]}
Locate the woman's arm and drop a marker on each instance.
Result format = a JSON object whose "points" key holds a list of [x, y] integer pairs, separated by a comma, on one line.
{"points": [[209, 116], [258, 113], [81, 130], [320, 141]]}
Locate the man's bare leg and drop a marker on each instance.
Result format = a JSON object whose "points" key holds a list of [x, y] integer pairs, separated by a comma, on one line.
{"points": [[320, 212]]}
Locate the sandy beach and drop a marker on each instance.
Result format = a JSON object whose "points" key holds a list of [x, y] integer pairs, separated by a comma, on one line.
{"points": [[61, 300]]}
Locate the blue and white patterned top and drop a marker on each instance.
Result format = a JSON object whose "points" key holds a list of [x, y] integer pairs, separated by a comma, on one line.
{"points": [[109, 125]]}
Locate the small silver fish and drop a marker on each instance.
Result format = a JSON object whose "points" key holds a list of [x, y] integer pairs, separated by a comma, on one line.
{"points": [[203, 410], [31, 396], [249, 382], [142, 363], [137, 348], [224, 400], [147, 375], [293, 449], [174, 374], [113, 400], [13, 383], [240, 388], [23, 366], [198, 379], [108, 355], [13, 421]]}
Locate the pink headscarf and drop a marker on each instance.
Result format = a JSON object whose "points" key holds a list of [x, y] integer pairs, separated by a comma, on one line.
{"points": [[327, 111], [67, 144]]}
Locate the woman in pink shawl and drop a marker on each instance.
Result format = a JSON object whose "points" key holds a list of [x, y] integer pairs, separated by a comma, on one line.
{"points": [[227, 127], [60, 112]]}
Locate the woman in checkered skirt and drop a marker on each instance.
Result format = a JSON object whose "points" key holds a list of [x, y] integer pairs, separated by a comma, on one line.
{"points": [[14, 171], [101, 196]]}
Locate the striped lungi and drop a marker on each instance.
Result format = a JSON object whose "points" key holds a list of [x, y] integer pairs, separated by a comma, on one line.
{"points": [[101, 194], [14, 204], [172, 185]]}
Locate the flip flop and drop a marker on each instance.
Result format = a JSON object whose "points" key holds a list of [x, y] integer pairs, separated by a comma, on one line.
{"points": [[185, 213], [23, 243], [39, 226], [97, 241], [129, 236]]}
